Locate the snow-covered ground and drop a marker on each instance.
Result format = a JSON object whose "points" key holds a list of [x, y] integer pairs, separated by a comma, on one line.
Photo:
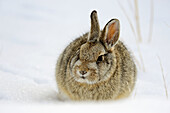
{"points": [[34, 32]]}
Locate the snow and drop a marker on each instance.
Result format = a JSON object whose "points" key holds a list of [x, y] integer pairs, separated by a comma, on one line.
{"points": [[33, 33], [139, 106]]}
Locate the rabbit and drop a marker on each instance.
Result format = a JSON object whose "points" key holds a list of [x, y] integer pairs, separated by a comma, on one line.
{"points": [[96, 66]]}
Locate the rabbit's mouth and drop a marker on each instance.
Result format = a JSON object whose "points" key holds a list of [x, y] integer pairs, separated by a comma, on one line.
{"points": [[89, 77], [80, 80]]}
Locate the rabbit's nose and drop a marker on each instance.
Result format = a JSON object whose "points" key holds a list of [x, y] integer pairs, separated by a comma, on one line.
{"points": [[83, 72]]}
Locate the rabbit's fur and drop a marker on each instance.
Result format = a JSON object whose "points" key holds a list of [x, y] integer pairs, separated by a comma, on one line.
{"points": [[96, 66]]}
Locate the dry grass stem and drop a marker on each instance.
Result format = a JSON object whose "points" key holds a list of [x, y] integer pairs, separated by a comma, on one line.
{"points": [[166, 91], [141, 58], [1, 47], [130, 5], [166, 24], [137, 21], [131, 25], [135, 93], [137, 62], [151, 22]]}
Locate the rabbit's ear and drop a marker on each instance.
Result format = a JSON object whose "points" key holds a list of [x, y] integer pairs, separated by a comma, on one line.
{"points": [[95, 28], [110, 34]]}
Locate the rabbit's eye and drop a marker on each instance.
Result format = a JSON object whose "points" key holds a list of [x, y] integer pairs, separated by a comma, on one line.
{"points": [[100, 58]]}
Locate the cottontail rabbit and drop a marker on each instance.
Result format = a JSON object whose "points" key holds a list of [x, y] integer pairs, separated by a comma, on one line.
{"points": [[96, 66]]}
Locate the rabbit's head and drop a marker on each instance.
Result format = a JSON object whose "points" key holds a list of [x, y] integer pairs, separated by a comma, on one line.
{"points": [[96, 61]]}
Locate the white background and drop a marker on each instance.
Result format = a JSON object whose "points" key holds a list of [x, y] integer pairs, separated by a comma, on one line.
{"points": [[34, 32]]}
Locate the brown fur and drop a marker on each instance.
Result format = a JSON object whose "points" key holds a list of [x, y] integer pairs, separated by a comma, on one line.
{"points": [[122, 70]]}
